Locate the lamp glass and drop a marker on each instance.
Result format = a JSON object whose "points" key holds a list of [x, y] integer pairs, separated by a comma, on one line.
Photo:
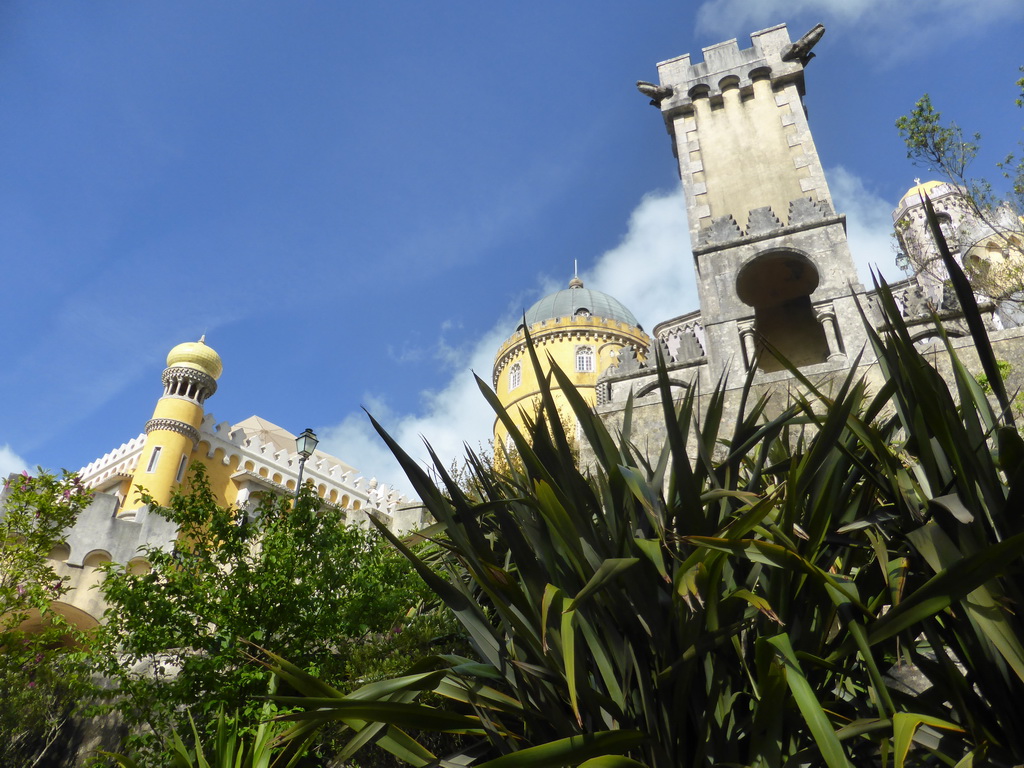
{"points": [[306, 443]]}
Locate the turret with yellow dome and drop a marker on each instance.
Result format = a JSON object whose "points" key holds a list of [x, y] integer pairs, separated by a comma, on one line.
{"points": [[990, 247], [243, 462], [173, 433], [583, 331]]}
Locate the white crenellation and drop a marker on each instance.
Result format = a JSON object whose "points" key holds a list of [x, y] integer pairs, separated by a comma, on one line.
{"points": [[120, 461], [321, 470], [236, 447]]}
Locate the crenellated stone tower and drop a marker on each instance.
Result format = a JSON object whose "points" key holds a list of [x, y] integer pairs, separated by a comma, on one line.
{"points": [[773, 265]]}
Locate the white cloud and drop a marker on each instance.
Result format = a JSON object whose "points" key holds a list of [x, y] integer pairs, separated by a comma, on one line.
{"points": [[650, 272], [889, 30], [720, 16], [868, 225], [10, 462]]}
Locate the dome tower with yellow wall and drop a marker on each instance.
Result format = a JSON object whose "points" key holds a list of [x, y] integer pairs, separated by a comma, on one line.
{"points": [[583, 331], [173, 433]]}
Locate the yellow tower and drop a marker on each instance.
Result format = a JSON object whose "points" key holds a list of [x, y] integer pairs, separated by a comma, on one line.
{"points": [[173, 433], [583, 331]]}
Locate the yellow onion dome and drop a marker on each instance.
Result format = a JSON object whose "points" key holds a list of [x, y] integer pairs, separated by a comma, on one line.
{"points": [[196, 355], [913, 195]]}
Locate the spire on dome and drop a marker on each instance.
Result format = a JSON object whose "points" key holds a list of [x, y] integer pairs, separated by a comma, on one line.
{"points": [[575, 282]]}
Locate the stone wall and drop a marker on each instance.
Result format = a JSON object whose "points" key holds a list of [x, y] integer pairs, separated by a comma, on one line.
{"points": [[648, 420]]}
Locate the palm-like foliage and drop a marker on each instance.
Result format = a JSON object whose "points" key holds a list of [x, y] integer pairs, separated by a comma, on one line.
{"points": [[232, 745], [747, 596]]}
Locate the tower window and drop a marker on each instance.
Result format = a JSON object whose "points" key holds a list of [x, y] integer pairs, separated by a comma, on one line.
{"points": [[584, 359], [515, 376], [778, 285], [946, 227], [154, 459], [181, 468]]}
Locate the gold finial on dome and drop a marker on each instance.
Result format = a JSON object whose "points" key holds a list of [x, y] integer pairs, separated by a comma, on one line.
{"points": [[196, 355]]}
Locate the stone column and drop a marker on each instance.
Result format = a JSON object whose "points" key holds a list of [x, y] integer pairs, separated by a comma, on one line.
{"points": [[826, 315], [747, 342]]}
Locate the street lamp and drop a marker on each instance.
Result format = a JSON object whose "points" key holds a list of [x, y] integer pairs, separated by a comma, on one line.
{"points": [[305, 444]]}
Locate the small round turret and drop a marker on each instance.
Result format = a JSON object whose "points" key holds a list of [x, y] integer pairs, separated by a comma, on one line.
{"points": [[173, 433]]}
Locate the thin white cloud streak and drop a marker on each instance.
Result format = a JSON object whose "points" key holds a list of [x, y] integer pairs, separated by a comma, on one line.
{"points": [[868, 225], [10, 462], [888, 30], [650, 272], [89, 335]]}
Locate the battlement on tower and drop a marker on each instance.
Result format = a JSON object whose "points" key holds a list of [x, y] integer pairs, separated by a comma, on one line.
{"points": [[726, 66]]}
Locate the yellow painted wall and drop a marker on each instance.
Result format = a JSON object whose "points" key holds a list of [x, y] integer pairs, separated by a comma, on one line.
{"points": [[219, 473], [173, 445], [558, 340], [751, 129]]}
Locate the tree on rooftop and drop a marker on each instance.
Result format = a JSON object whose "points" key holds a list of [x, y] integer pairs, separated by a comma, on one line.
{"points": [[994, 239]]}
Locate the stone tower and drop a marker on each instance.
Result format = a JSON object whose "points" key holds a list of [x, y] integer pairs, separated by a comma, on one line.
{"points": [[773, 265]]}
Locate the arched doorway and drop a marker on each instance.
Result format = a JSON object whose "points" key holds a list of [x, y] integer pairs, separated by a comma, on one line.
{"points": [[778, 285]]}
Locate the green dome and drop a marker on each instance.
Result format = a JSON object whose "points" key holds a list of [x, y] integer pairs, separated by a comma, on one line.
{"points": [[577, 300]]}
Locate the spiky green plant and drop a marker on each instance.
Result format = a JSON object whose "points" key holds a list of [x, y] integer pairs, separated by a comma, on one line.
{"points": [[753, 595], [233, 745]]}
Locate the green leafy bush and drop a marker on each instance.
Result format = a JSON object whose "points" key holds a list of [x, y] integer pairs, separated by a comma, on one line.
{"points": [[300, 581], [43, 677]]}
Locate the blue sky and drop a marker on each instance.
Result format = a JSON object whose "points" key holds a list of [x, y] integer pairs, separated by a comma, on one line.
{"points": [[354, 201]]}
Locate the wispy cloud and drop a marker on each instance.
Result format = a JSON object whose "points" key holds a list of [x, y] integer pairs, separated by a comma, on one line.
{"points": [[650, 272], [868, 225], [10, 462], [450, 417], [888, 30]]}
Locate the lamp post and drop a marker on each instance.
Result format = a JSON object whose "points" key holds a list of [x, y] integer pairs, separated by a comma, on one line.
{"points": [[305, 444]]}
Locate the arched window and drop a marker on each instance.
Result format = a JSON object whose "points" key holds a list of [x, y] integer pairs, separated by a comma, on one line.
{"points": [[515, 376], [778, 285], [584, 359], [946, 227]]}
